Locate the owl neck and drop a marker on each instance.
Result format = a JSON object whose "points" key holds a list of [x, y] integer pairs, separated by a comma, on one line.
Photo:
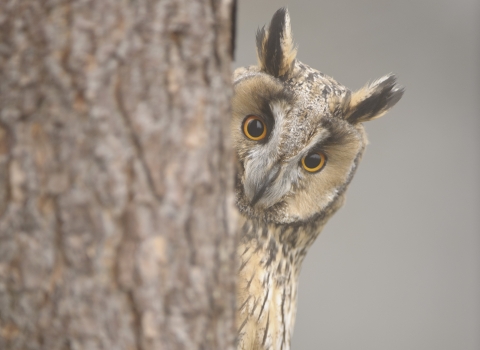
{"points": [[270, 258]]}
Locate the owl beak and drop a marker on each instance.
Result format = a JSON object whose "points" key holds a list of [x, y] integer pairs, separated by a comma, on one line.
{"points": [[264, 185]]}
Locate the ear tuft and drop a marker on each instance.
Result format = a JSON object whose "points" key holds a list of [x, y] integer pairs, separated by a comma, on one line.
{"points": [[374, 100], [276, 50]]}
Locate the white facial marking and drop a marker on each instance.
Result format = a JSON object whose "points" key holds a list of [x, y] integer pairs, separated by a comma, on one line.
{"points": [[263, 173]]}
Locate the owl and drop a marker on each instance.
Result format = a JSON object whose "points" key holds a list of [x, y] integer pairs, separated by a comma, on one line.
{"points": [[298, 137]]}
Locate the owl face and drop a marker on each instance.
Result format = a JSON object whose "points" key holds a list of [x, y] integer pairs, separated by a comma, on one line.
{"points": [[295, 157], [297, 133]]}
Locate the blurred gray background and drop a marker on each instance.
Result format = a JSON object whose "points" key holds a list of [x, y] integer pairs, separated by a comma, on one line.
{"points": [[399, 266]]}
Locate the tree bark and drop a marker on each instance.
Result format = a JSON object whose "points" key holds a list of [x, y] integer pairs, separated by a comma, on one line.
{"points": [[116, 226]]}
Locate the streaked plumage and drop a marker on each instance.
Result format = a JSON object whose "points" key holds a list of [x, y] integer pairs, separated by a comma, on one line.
{"points": [[307, 116]]}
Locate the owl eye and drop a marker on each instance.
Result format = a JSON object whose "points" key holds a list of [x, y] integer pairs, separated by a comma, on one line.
{"points": [[254, 128], [314, 162]]}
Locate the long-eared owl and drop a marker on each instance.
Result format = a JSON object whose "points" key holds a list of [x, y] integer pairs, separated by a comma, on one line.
{"points": [[299, 138]]}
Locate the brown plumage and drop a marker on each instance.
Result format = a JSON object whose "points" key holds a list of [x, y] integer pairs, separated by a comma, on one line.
{"points": [[299, 139]]}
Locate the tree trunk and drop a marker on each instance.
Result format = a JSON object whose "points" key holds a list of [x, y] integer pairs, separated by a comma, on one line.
{"points": [[115, 175]]}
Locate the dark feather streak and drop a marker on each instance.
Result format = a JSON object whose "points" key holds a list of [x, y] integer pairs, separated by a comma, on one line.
{"points": [[263, 304], [272, 251], [244, 303], [266, 330], [284, 333]]}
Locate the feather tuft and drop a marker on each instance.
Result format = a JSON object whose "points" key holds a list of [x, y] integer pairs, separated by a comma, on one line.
{"points": [[374, 100], [276, 49]]}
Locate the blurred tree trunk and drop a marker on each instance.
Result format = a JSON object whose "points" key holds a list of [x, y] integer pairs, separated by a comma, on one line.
{"points": [[115, 175]]}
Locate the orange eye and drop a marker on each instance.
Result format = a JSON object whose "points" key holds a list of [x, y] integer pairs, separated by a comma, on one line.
{"points": [[314, 162], [254, 128]]}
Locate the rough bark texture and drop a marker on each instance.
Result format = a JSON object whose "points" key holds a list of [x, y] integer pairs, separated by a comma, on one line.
{"points": [[115, 175]]}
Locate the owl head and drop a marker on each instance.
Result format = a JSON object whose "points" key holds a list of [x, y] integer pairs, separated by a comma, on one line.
{"points": [[298, 134]]}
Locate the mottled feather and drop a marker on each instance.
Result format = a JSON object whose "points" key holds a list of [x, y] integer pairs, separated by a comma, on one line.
{"points": [[283, 207]]}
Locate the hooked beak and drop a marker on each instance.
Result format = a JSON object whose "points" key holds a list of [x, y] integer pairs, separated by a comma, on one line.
{"points": [[262, 187]]}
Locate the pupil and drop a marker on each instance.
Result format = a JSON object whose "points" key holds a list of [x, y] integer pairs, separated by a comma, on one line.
{"points": [[255, 128], [312, 160]]}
